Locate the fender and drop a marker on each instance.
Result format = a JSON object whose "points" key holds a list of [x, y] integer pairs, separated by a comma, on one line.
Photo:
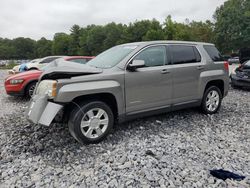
{"points": [[22, 92], [70, 91], [207, 76]]}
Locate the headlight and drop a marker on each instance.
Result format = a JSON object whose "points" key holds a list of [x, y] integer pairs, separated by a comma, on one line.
{"points": [[47, 87], [16, 81]]}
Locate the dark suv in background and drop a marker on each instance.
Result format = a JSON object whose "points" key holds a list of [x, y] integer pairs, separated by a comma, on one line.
{"points": [[244, 55]]}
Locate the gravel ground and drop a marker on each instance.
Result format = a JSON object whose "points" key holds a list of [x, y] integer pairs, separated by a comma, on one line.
{"points": [[172, 150]]}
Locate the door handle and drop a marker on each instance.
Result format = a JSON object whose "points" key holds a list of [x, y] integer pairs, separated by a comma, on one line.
{"points": [[165, 71], [200, 67]]}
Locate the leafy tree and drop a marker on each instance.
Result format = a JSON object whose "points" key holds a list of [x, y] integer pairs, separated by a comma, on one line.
{"points": [[232, 25], [136, 31], [155, 32], [74, 43], [60, 44], [202, 31], [113, 35], [24, 48], [43, 47], [154, 35], [83, 46], [176, 31], [95, 40], [7, 50], [231, 31], [169, 28]]}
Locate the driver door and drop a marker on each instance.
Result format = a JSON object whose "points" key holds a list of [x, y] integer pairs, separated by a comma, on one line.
{"points": [[149, 87]]}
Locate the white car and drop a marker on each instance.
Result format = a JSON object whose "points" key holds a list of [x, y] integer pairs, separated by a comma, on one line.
{"points": [[35, 64], [41, 63], [16, 68]]}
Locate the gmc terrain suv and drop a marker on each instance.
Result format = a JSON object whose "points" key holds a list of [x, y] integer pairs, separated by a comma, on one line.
{"points": [[130, 81]]}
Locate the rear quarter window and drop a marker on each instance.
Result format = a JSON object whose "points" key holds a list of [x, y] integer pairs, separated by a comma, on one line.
{"points": [[182, 54], [213, 53]]}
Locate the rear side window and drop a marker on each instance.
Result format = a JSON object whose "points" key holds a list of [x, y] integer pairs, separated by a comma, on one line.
{"points": [[213, 53], [184, 54]]}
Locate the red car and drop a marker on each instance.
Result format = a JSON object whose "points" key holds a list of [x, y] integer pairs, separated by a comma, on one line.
{"points": [[23, 84]]}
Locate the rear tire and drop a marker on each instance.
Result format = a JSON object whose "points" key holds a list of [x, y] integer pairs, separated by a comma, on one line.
{"points": [[211, 101], [91, 121]]}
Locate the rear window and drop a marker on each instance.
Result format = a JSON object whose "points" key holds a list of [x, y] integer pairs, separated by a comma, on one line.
{"points": [[184, 54], [213, 53]]}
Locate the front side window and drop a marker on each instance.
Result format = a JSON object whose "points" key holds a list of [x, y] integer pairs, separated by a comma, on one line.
{"points": [[184, 54], [153, 56]]}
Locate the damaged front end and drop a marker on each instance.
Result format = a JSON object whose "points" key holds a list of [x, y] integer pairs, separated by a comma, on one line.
{"points": [[42, 108], [41, 111]]}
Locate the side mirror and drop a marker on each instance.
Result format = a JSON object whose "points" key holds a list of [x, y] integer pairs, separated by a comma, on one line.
{"points": [[136, 64]]}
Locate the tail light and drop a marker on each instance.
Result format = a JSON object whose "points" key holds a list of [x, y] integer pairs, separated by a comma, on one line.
{"points": [[226, 66]]}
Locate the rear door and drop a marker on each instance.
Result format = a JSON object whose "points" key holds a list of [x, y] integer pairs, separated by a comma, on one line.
{"points": [[186, 69]]}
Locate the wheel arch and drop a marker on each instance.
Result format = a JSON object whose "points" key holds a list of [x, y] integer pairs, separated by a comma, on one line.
{"points": [[107, 98], [33, 68], [28, 84], [218, 83]]}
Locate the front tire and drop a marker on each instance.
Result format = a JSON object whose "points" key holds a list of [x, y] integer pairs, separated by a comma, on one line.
{"points": [[90, 122], [211, 101], [30, 89]]}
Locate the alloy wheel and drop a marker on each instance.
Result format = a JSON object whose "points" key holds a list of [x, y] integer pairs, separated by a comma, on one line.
{"points": [[94, 123], [212, 100], [31, 90]]}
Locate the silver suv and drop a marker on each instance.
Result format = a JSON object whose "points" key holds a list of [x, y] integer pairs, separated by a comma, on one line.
{"points": [[130, 81]]}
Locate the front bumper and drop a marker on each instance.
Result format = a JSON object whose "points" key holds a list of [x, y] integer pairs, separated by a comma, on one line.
{"points": [[15, 93], [14, 90], [41, 111], [242, 82]]}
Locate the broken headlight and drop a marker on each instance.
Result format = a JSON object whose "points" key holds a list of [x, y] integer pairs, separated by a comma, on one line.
{"points": [[47, 87]]}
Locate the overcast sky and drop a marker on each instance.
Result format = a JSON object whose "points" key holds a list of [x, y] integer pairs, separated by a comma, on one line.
{"points": [[43, 18]]}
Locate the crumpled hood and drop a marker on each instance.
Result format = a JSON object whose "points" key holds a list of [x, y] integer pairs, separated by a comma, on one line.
{"points": [[66, 69]]}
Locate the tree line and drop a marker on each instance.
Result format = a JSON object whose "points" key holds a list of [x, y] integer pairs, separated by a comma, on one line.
{"points": [[230, 31]]}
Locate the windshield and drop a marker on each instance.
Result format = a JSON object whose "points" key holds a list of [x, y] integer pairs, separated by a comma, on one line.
{"points": [[111, 57]]}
